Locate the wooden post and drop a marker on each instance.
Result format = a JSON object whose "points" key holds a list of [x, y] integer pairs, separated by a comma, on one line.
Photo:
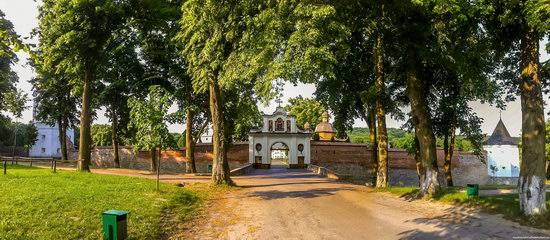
{"points": [[5, 165], [54, 165]]}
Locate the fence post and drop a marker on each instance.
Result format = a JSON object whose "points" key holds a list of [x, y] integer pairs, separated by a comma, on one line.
{"points": [[5, 165], [54, 165], [31, 162]]}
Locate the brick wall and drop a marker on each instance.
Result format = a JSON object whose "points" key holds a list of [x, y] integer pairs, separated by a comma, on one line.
{"points": [[172, 161], [352, 162]]}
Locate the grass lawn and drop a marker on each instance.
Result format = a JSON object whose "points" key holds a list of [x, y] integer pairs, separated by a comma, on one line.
{"points": [[38, 204], [507, 205]]}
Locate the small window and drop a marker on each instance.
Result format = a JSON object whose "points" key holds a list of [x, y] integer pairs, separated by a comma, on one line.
{"points": [[43, 137], [43, 150], [58, 150]]}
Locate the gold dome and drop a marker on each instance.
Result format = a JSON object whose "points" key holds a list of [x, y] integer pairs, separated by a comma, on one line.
{"points": [[325, 126]]}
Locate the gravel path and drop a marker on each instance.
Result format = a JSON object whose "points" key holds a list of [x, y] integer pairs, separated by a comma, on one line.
{"points": [[295, 204]]}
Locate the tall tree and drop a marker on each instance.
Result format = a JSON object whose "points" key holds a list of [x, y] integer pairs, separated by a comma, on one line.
{"points": [[517, 28], [15, 103], [149, 118], [74, 37], [379, 82], [272, 39], [9, 44], [120, 77], [55, 102]]}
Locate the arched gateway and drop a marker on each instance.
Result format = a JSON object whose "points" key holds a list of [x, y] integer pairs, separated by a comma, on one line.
{"points": [[279, 127]]}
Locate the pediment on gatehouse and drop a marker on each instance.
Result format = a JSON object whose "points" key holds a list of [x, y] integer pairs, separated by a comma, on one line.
{"points": [[278, 122]]}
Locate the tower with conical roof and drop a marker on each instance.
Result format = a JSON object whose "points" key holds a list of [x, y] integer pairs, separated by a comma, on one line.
{"points": [[502, 153]]}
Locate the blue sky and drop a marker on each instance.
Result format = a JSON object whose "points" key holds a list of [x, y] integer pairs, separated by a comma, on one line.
{"points": [[23, 14]]}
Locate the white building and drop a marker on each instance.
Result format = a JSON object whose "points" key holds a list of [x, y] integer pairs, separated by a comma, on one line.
{"points": [[279, 129], [47, 144], [206, 136], [502, 153]]}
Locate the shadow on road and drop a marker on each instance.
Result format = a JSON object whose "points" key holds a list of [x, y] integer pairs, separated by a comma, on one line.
{"points": [[283, 184], [310, 193], [464, 223]]}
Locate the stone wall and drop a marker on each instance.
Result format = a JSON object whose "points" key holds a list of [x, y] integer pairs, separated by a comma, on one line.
{"points": [[172, 161], [353, 162]]}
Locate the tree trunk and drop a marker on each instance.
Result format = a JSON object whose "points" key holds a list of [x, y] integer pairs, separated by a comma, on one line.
{"points": [[189, 144], [61, 136], [449, 148], [419, 168], [153, 159], [65, 125], [429, 182], [220, 174], [532, 179], [371, 121], [382, 173], [84, 153], [114, 131]]}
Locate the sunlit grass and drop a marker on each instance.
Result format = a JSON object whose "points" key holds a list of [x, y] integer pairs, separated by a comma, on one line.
{"points": [[38, 204]]}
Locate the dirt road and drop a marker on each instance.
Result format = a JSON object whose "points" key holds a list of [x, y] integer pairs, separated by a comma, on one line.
{"points": [[295, 204]]}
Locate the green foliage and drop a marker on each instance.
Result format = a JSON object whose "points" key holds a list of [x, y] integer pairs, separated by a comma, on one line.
{"points": [[119, 78], [15, 102], [102, 135], [74, 34], [315, 137], [9, 44], [306, 110], [179, 139], [220, 38], [406, 142], [27, 134], [41, 204], [401, 139], [148, 118]]}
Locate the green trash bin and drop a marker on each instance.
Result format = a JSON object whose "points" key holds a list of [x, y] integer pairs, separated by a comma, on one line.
{"points": [[472, 190], [114, 225]]}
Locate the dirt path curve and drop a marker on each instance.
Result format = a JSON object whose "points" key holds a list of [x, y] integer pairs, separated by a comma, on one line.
{"points": [[295, 204]]}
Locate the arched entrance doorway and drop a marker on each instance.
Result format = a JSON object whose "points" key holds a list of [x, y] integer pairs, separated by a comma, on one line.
{"points": [[279, 154], [278, 134]]}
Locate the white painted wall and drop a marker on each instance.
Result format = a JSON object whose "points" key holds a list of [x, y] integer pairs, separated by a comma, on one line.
{"points": [[47, 144], [268, 140], [505, 158]]}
